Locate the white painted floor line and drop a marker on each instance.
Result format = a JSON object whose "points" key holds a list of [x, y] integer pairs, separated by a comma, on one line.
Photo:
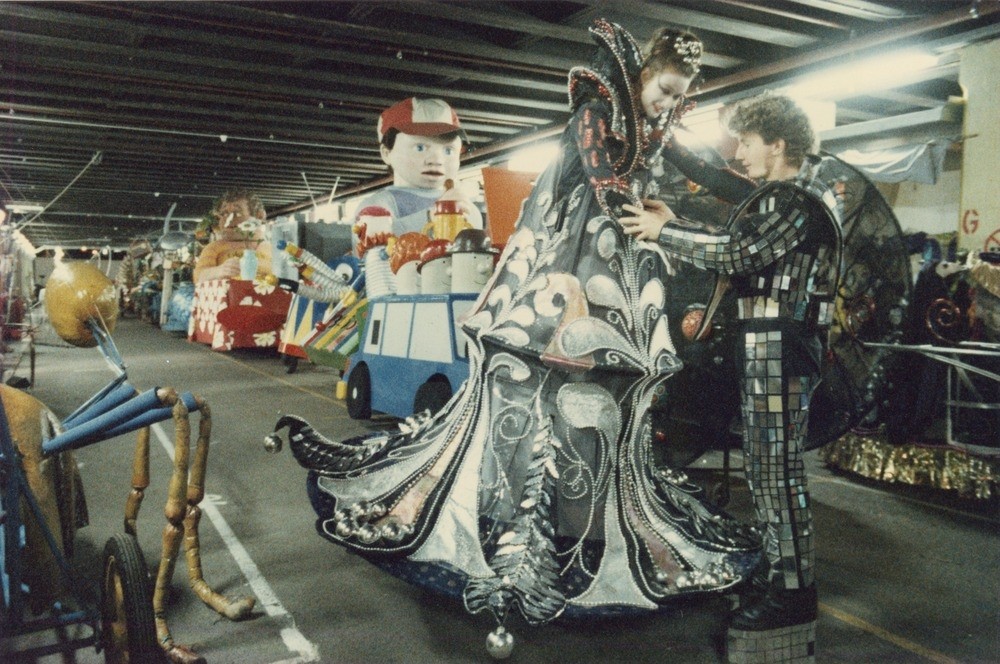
{"points": [[294, 640]]}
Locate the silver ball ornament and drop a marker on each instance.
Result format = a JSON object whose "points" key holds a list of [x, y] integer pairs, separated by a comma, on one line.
{"points": [[344, 529], [500, 643], [273, 443], [359, 509], [367, 534]]}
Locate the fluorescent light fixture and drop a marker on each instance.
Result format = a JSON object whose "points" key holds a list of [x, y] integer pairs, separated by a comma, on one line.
{"points": [[883, 72], [24, 208], [533, 159]]}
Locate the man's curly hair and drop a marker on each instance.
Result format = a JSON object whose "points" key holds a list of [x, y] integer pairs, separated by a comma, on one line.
{"points": [[775, 116], [254, 202]]}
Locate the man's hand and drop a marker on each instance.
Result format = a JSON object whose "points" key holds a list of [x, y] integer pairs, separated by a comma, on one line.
{"points": [[646, 222]]}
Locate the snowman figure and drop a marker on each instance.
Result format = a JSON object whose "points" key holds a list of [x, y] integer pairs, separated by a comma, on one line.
{"points": [[472, 261], [405, 259], [435, 268]]}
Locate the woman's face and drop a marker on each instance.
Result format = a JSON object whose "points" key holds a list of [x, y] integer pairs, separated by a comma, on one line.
{"points": [[662, 91]]}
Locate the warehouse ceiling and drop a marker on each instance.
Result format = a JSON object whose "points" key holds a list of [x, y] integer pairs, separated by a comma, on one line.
{"points": [[115, 115]]}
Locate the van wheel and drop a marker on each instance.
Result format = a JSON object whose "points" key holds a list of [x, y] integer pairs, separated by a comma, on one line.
{"points": [[432, 396], [359, 393]]}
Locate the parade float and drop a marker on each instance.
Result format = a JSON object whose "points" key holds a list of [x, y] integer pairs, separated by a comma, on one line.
{"points": [[413, 354], [237, 302]]}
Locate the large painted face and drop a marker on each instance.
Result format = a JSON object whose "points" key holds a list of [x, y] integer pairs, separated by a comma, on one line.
{"points": [[760, 159], [435, 276], [423, 162], [231, 214], [662, 92], [470, 271]]}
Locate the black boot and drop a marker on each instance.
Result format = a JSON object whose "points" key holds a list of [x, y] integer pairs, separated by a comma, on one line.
{"points": [[756, 584], [777, 607], [779, 627]]}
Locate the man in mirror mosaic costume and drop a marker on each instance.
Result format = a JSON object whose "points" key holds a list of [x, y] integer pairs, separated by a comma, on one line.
{"points": [[780, 256]]}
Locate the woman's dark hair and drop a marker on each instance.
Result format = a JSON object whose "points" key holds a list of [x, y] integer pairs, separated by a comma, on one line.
{"points": [[775, 116], [672, 48]]}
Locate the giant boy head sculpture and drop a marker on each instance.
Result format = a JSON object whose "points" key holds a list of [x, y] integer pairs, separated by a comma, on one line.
{"points": [[421, 141]]}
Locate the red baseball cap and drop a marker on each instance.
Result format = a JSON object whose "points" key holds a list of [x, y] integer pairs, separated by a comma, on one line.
{"points": [[419, 117]]}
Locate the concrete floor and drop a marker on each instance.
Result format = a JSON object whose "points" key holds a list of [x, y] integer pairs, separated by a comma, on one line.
{"points": [[903, 575]]}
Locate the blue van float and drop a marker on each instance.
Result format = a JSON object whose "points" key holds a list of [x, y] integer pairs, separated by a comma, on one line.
{"points": [[412, 355]]}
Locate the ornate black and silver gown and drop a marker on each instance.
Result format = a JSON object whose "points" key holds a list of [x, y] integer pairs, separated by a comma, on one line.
{"points": [[534, 486]]}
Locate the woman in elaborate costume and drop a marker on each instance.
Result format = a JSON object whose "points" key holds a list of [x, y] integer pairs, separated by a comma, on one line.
{"points": [[534, 486]]}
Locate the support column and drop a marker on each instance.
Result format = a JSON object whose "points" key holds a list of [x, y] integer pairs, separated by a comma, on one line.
{"points": [[979, 216]]}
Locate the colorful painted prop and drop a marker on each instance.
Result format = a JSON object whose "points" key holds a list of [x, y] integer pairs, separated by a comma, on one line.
{"points": [[320, 286], [412, 356], [75, 293], [472, 261], [304, 314], [404, 260], [42, 478], [447, 220], [179, 311], [337, 337], [435, 268]]}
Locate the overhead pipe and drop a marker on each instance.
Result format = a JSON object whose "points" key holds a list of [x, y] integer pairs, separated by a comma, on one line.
{"points": [[851, 46], [913, 29]]}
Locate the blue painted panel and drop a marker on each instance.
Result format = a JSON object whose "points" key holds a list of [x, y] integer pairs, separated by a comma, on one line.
{"points": [[412, 322]]}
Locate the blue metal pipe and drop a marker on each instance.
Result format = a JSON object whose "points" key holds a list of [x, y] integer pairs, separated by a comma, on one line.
{"points": [[149, 417], [94, 430], [112, 399], [104, 391]]}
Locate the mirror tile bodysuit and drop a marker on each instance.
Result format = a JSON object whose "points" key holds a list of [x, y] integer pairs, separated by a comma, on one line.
{"points": [[781, 253]]}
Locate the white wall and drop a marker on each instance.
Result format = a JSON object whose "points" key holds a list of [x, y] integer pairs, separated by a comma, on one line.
{"points": [[931, 208]]}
